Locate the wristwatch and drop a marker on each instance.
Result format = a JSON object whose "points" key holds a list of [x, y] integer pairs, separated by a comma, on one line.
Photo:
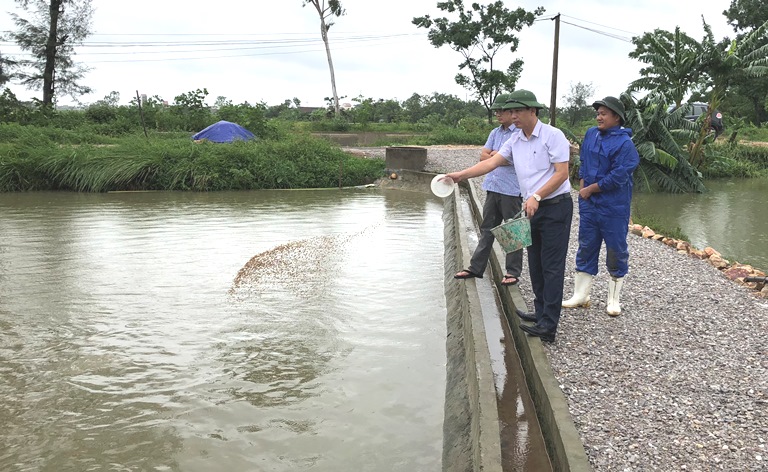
{"points": [[536, 197]]}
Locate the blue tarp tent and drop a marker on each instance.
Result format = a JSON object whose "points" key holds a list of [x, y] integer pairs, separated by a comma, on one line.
{"points": [[224, 132]]}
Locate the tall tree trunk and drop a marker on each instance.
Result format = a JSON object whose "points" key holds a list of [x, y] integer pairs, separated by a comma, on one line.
{"points": [[761, 116], [324, 31], [50, 53]]}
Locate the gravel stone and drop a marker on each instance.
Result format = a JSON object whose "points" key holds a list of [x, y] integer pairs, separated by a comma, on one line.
{"points": [[678, 381]]}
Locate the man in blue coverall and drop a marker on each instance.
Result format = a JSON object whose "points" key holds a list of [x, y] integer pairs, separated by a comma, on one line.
{"points": [[608, 159]]}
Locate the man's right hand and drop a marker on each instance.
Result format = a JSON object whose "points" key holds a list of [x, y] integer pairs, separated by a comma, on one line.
{"points": [[455, 176]]}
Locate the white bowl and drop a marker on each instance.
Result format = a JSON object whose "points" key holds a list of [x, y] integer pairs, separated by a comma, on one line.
{"points": [[442, 186]]}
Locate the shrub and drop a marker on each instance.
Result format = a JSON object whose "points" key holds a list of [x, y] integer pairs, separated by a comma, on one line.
{"points": [[33, 158]]}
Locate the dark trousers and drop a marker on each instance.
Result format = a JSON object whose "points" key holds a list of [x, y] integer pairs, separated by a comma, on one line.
{"points": [[497, 207], [550, 232]]}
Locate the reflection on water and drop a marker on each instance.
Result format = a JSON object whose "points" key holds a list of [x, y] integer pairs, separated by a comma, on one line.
{"points": [[730, 217], [227, 331]]}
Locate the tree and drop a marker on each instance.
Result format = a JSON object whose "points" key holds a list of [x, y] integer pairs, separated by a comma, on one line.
{"points": [[673, 64], [729, 63], [50, 38], [413, 108], [5, 65], [746, 15], [326, 11], [658, 135], [577, 103], [479, 34]]}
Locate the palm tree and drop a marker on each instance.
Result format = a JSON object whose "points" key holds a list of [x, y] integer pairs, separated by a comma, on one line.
{"points": [[672, 59]]}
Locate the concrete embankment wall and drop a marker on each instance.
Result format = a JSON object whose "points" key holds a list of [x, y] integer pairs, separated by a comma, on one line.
{"points": [[564, 446], [471, 439]]}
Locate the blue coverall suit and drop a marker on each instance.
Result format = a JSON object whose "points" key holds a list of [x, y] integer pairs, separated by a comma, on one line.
{"points": [[608, 158]]}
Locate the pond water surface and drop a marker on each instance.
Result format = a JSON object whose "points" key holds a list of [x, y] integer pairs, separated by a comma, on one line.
{"points": [[730, 217], [254, 331]]}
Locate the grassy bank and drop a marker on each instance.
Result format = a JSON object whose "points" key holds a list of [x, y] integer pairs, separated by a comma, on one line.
{"points": [[36, 158]]}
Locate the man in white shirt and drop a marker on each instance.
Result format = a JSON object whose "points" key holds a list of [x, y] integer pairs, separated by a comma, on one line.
{"points": [[540, 153], [502, 201]]}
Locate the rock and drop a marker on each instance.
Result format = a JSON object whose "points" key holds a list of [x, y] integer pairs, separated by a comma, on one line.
{"points": [[683, 246], [648, 232], [657, 237], [717, 261], [698, 253], [711, 252], [738, 272], [636, 230]]}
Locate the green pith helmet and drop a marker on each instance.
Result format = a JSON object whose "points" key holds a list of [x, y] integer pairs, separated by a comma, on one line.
{"points": [[522, 99], [613, 104], [498, 104]]}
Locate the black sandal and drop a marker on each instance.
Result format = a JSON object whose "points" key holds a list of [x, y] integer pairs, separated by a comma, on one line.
{"points": [[507, 276], [469, 275]]}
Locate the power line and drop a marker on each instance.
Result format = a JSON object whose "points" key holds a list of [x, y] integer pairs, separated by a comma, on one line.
{"points": [[237, 45], [603, 26], [349, 45], [610, 35]]}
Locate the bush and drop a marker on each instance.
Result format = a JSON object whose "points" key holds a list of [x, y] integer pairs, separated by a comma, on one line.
{"points": [[336, 124], [737, 160], [31, 160]]}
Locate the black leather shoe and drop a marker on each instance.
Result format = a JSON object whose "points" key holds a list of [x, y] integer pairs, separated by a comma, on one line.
{"points": [[526, 316], [548, 336]]}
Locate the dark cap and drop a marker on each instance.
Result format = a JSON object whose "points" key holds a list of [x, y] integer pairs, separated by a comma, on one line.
{"points": [[613, 104], [498, 104], [522, 99]]}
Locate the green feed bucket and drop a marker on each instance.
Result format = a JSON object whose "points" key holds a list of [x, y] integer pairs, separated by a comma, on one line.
{"points": [[513, 234]]}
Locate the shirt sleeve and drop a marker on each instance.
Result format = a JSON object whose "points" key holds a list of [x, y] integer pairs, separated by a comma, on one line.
{"points": [[506, 150], [558, 147], [489, 141], [625, 162]]}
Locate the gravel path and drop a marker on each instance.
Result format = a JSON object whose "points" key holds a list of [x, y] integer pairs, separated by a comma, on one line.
{"points": [[679, 381]]}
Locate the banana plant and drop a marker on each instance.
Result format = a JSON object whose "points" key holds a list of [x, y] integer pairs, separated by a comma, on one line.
{"points": [[662, 139]]}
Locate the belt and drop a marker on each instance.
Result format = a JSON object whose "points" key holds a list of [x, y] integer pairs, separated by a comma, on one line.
{"points": [[505, 194], [557, 199]]}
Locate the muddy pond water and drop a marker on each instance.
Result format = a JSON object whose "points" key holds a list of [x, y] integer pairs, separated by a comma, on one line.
{"points": [[299, 330]]}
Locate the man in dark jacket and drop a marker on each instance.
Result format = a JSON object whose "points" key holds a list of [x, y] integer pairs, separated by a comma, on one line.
{"points": [[608, 159]]}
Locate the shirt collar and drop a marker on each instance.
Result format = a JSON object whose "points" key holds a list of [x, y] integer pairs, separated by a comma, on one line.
{"points": [[536, 131]]}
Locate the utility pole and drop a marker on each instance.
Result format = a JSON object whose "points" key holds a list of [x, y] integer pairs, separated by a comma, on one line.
{"points": [[553, 96]]}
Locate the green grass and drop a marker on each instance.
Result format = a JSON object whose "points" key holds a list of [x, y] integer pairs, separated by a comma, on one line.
{"points": [[33, 159], [658, 226], [749, 133], [737, 160]]}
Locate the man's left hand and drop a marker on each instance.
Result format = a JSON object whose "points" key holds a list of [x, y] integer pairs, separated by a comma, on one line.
{"points": [[531, 207]]}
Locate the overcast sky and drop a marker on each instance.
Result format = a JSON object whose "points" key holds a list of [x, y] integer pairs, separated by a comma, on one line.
{"points": [[270, 50]]}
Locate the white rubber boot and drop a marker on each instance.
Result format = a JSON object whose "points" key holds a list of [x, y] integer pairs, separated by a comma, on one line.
{"points": [[582, 283], [614, 292]]}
